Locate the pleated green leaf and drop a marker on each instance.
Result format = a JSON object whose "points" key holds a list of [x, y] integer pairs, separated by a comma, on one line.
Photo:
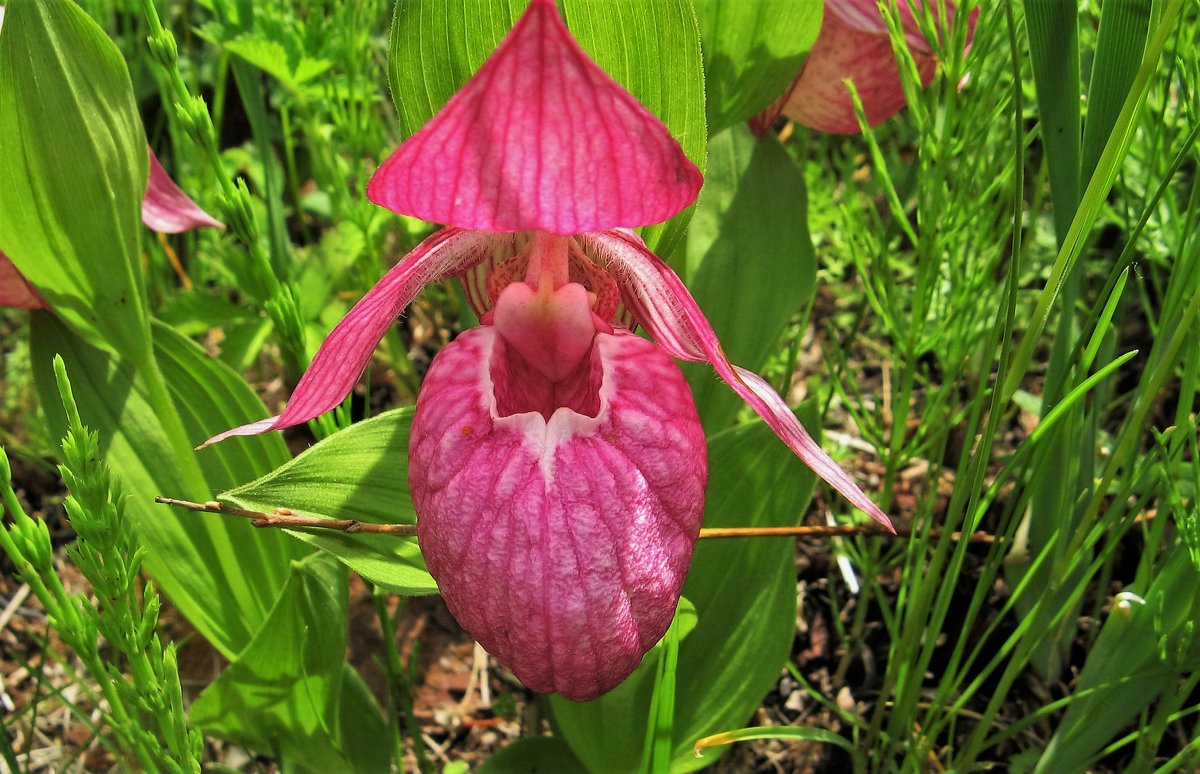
{"points": [[753, 50], [287, 693], [73, 170], [750, 259], [358, 473], [223, 575]]}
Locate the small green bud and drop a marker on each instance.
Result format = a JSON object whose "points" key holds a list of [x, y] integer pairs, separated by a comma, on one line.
{"points": [[163, 48], [239, 207], [149, 620]]}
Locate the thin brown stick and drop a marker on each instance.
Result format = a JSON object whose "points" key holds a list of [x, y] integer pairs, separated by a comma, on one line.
{"points": [[184, 279], [824, 530], [289, 519]]}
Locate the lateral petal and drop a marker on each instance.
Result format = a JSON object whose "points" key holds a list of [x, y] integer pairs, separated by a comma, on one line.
{"points": [[540, 138], [346, 350], [662, 304], [15, 290], [167, 209], [561, 546]]}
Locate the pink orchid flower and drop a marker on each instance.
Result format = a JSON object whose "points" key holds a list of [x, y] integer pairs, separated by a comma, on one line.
{"points": [[556, 460], [165, 208], [853, 44]]}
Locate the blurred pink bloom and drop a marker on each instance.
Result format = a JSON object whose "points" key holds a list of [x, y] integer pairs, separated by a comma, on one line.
{"points": [[556, 460], [854, 44], [165, 208], [15, 291]]}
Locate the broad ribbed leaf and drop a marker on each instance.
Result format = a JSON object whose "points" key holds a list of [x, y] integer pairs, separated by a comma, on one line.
{"points": [[753, 50], [749, 258], [287, 692], [222, 574], [359, 473], [73, 170]]}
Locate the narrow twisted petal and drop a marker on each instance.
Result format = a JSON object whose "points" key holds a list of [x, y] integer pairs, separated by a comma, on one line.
{"points": [[560, 545], [15, 290], [664, 307], [167, 208], [540, 138], [345, 352]]}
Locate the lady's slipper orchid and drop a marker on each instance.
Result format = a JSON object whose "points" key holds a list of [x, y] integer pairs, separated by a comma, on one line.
{"points": [[165, 208], [556, 460], [854, 44]]}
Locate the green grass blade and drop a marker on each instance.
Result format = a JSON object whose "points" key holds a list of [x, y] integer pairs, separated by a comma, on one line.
{"points": [[1107, 168], [787, 733], [1120, 43], [1053, 29]]}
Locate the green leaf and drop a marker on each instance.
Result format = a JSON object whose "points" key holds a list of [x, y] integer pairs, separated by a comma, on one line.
{"points": [[744, 590], [750, 260], [188, 555], [744, 594], [73, 171], [1116, 147], [532, 755], [1120, 43], [1053, 29], [210, 395], [652, 49], [753, 50], [358, 473], [789, 734], [1128, 666], [656, 752], [293, 70], [282, 694]]}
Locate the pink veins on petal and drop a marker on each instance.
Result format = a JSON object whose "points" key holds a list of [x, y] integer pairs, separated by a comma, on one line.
{"points": [[540, 138]]}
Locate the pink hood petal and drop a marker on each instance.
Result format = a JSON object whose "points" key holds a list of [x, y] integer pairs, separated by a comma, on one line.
{"points": [[660, 303], [863, 16], [539, 139], [166, 208], [15, 290], [561, 546], [854, 44], [345, 352]]}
